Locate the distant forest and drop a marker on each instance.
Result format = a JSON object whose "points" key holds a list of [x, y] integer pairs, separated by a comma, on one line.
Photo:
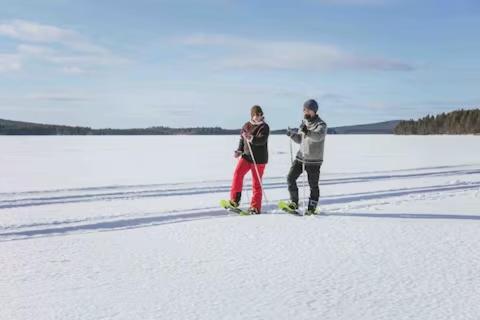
{"points": [[8, 127], [456, 122]]}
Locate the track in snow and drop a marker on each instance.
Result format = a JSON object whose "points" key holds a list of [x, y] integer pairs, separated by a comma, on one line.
{"points": [[332, 205], [52, 197]]}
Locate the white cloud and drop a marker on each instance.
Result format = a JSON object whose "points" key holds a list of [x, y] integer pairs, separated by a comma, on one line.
{"points": [[66, 49], [28, 31], [40, 33], [9, 62], [290, 55], [67, 58], [27, 49], [73, 70], [354, 2], [59, 96]]}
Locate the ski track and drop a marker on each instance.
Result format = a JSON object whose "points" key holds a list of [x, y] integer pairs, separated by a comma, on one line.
{"points": [[116, 187], [15, 200], [331, 205]]}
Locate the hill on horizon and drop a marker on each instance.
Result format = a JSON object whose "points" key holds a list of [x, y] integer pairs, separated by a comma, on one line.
{"points": [[12, 127]]}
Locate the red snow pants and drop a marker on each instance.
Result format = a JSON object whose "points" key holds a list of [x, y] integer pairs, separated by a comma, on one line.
{"points": [[243, 166]]}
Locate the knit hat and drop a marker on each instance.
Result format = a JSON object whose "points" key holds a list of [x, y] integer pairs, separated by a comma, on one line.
{"points": [[256, 110], [311, 105]]}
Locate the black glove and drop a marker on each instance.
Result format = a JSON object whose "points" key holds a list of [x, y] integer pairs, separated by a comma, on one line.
{"points": [[289, 132], [304, 128]]}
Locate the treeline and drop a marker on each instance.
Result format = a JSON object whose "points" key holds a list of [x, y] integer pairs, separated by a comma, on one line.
{"points": [[165, 131], [284, 131], [8, 127], [456, 122]]}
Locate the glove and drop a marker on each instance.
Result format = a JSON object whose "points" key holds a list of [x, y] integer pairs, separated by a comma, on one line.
{"points": [[237, 153], [289, 132], [304, 128], [247, 136]]}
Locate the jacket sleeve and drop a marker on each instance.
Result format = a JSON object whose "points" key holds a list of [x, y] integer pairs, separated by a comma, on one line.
{"points": [[318, 134], [241, 143], [261, 137], [296, 136]]}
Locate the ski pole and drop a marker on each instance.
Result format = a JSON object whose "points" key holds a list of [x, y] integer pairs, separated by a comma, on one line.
{"points": [[245, 185], [291, 149], [256, 170], [247, 190], [304, 173]]}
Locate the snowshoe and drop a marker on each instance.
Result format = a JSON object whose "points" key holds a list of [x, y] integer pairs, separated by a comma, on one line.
{"points": [[232, 206], [289, 207]]}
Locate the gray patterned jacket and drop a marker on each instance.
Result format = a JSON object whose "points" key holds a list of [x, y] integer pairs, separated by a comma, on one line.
{"points": [[311, 150]]}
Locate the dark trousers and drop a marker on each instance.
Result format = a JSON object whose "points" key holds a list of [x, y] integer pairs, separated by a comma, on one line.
{"points": [[313, 173]]}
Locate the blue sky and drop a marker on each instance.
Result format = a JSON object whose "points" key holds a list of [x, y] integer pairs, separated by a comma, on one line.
{"points": [[204, 63]]}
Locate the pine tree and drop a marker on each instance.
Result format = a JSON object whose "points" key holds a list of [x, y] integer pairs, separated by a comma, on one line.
{"points": [[456, 122]]}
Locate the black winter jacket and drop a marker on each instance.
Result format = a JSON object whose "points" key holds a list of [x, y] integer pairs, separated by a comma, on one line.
{"points": [[259, 143]]}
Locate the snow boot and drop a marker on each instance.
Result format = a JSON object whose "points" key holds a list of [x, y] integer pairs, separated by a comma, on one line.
{"points": [[253, 211]]}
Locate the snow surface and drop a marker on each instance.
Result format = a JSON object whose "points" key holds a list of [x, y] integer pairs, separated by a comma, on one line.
{"points": [[128, 228]]}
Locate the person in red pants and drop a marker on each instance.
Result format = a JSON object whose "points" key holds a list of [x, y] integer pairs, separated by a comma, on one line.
{"points": [[254, 133]]}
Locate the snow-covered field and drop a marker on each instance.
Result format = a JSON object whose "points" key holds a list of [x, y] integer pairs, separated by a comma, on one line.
{"points": [[128, 228]]}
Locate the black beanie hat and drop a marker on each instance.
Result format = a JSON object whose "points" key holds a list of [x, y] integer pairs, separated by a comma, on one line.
{"points": [[311, 105]]}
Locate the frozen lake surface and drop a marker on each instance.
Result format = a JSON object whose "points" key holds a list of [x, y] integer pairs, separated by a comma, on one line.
{"points": [[129, 228]]}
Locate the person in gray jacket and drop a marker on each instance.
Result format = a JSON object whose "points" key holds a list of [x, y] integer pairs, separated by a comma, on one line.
{"points": [[311, 137]]}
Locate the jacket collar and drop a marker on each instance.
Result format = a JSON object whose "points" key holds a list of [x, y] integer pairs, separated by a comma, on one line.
{"points": [[256, 123]]}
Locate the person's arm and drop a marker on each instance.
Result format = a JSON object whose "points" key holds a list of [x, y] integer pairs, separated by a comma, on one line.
{"points": [[261, 137], [241, 144], [318, 133], [295, 136]]}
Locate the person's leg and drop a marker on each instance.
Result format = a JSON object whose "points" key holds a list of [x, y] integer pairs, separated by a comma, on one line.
{"points": [[295, 171], [237, 182], [313, 171], [257, 187]]}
